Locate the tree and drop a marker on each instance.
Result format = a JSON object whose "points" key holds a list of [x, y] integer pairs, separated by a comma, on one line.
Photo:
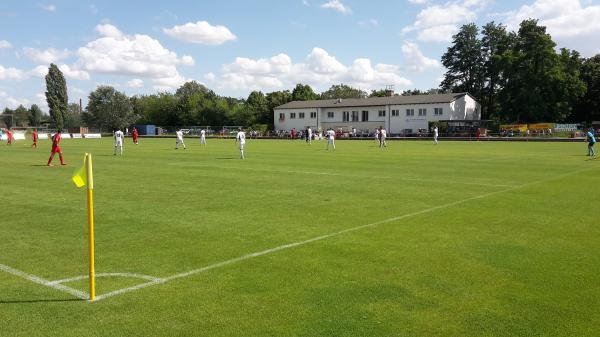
{"points": [[380, 93], [540, 85], [35, 115], [495, 43], [109, 109], [342, 91], [464, 62], [73, 116], [588, 107], [56, 95], [303, 93], [21, 116], [8, 117], [259, 106]]}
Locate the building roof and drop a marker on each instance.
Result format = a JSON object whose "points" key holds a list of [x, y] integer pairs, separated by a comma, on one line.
{"points": [[374, 101]]}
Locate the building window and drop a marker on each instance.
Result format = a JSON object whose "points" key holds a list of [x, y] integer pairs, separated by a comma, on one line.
{"points": [[381, 113], [301, 115], [330, 114], [313, 115], [365, 116], [395, 113], [355, 116], [410, 112], [345, 116], [292, 115], [422, 112], [282, 116], [438, 111]]}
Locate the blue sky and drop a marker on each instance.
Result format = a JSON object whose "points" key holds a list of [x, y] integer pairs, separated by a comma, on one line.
{"points": [[234, 47]]}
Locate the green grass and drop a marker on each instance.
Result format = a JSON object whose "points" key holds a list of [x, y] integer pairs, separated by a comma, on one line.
{"points": [[467, 239]]}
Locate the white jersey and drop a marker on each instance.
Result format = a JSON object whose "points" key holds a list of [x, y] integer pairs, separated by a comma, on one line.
{"points": [[202, 133], [241, 137], [435, 132], [383, 133], [118, 137], [179, 135], [309, 132], [331, 134]]}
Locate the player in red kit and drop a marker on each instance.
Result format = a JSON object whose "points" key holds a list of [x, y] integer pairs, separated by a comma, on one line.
{"points": [[56, 149], [34, 137], [9, 137], [134, 135]]}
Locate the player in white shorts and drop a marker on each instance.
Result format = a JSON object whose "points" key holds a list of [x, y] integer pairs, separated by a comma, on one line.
{"points": [[241, 138], [309, 139], [330, 139], [382, 136], [179, 140], [435, 135], [203, 137], [118, 136]]}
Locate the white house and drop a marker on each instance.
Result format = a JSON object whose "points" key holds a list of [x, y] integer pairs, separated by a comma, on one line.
{"points": [[398, 114]]}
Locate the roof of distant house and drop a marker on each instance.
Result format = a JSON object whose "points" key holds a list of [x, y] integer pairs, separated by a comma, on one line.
{"points": [[374, 101]]}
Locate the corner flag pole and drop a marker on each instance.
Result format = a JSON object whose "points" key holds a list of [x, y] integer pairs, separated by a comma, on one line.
{"points": [[90, 218]]}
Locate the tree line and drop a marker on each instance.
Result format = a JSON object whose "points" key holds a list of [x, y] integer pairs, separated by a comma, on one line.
{"points": [[520, 76], [516, 76]]}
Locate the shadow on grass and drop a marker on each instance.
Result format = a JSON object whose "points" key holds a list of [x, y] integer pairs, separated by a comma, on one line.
{"points": [[41, 301], [225, 158]]}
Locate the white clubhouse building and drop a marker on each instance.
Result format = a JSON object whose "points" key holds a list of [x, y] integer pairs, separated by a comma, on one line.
{"points": [[397, 114]]}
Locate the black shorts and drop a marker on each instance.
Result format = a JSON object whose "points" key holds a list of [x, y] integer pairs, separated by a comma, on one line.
{"points": [[591, 143]]}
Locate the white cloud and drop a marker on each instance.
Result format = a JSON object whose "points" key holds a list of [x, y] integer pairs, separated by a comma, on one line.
{"points": [[571, 23], [11, 102], [418, 2], [319, 69], [210, 76], [5, 44], [69, 72], [201, 32], [415, 59], [437, 23], [48, 8], [47, 56], [370, 22], [11, 74], [338, 6], [135, 83], [140, 55], [108, 30]]}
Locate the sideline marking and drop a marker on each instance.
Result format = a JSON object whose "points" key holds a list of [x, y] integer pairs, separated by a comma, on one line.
{"points": [[35, 279], [84, 277], [322, 237], [455, 182]]}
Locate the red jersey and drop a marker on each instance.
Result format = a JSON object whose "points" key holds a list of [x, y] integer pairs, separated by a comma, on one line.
{"points": [[56, 142], [35, 136]]}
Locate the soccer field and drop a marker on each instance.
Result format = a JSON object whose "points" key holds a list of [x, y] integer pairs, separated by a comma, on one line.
{"points": [[454, 239]]}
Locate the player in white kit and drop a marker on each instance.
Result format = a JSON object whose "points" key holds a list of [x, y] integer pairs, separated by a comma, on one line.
{"points": [[330, 139], [118, 141], [435, 135], [241, 138], [179, 140], [309, 135], [203, 137], [382, 136]]}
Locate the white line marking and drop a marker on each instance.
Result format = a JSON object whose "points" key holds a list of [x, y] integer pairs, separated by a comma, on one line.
{"points": [[322, 237], [84, 277], [35, 279], [455, 182]]}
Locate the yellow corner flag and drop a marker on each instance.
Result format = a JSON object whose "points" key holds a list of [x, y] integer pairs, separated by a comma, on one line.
{"points": [[80, 175]]}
